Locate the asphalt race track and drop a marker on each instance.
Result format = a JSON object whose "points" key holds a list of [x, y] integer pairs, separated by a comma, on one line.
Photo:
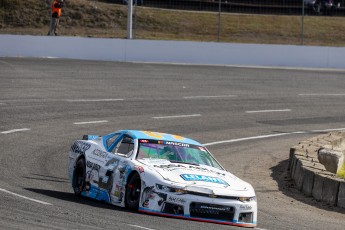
{"points": [[247, 117]]}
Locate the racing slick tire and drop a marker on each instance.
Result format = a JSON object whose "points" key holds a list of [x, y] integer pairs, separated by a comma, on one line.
{"points": [[79, 177], [133, 191]]}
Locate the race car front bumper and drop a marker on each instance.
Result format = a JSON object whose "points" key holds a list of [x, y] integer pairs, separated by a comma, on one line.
{"points": [[229, 211]]}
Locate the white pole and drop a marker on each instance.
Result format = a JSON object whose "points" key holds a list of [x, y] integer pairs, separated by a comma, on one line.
{"points": [[219, 12], [129, 19], [303, 22]]}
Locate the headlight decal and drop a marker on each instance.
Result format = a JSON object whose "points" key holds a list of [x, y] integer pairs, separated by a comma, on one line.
{"points": [[247, 199], [169, 189]]}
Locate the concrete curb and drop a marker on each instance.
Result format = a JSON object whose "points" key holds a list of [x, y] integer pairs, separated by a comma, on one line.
{"points": [[310, 176]]}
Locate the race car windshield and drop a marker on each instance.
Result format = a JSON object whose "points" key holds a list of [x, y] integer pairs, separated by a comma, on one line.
{"points": [[176, 152]]}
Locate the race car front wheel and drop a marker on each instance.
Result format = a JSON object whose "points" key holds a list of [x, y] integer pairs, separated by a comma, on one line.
{"points": [[79, 177], [133, 191]]}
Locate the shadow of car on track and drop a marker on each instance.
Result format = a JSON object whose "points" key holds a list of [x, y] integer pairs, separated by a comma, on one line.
{"points": [[70, 197], [286, 185]]}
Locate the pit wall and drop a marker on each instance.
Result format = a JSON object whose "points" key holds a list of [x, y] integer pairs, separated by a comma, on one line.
{"points": [[310, 176], [182, 52]]}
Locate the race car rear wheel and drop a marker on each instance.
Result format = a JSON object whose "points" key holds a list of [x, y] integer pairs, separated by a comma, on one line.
{"points": [[79, 177], [133, 191]]}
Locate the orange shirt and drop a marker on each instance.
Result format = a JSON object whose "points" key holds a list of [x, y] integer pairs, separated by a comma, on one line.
{"points": [[56, 8]]}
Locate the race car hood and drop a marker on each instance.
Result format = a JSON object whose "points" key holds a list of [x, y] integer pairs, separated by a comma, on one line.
{"points": [[201, 178]]}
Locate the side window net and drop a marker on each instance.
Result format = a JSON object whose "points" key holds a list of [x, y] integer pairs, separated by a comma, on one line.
{"points": [[125, 147]]}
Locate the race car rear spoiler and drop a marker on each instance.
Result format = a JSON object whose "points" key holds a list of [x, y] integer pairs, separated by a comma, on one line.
{"points": [[90, 137]]}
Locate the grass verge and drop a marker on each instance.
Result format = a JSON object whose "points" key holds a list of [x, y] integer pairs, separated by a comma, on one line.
{"points": [[91, 18]]}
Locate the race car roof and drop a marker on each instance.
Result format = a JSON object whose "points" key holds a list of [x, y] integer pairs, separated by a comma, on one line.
{"points": [[142, 134]]}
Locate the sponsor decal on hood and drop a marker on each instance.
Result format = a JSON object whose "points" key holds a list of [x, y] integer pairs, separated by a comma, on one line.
{"points": [[194, 177]]}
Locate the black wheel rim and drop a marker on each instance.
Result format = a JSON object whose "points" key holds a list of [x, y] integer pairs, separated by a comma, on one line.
{"points": [[80, 178], [134, 189]]}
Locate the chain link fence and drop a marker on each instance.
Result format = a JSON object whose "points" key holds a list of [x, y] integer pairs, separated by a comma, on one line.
{"points": [[294, 22]]}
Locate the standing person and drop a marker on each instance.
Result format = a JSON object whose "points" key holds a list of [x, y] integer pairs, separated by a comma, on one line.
{"points": [[55, 16]]}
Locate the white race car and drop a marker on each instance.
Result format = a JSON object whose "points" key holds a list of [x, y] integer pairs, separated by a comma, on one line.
{"points": [[162, 174]]}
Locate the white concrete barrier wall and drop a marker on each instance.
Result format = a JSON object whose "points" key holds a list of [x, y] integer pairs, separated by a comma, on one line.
{"points": [[210, 53]]}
